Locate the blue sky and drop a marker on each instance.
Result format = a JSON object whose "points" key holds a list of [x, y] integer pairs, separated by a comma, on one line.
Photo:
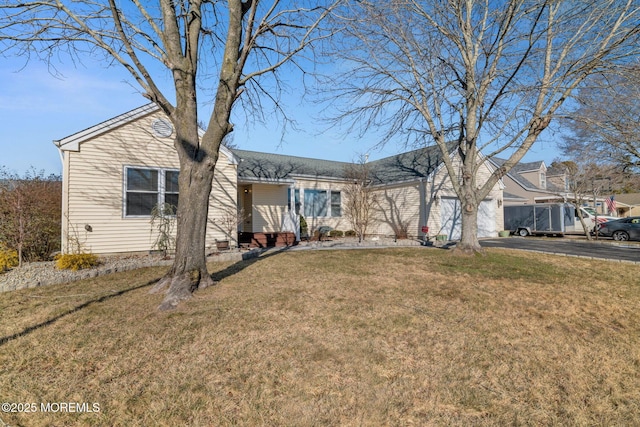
{"points": [[37, 108]]}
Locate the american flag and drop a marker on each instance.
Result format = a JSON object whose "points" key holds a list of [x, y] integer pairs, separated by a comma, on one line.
{"points": [[611, 204]]}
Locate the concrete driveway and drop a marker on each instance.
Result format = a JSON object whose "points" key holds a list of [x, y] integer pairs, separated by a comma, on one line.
{"points": [[601, 249]]}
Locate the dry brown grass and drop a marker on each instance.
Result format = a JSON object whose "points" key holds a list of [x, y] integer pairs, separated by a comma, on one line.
{"points": [[353, 338]]}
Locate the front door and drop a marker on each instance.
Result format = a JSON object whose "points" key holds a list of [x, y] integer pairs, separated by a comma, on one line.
{"points": [[246, 203]]}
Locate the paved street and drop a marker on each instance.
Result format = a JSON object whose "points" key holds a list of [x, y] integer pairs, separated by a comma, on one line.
{"points": [[605, 249]]}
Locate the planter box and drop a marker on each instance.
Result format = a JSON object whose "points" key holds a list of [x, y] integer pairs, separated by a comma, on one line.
{"points": [[504, 233], [222, 245]]}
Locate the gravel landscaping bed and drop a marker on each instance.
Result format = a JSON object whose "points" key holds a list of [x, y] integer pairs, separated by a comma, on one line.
{"points": [[352, 243], [35, 274]]}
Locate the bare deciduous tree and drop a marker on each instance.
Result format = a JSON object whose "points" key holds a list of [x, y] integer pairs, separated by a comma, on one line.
{"points": [[579, 187], [360, 198], [232, 49], [605, 124], [483, 77]]}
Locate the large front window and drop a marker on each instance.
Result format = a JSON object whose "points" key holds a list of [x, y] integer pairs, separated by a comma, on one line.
{"points": [[146, 188], [322, 203]]}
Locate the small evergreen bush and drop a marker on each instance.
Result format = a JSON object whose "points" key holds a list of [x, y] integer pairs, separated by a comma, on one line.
{"points": [[75, 262], [8, 259], [336, 233], [304, 228], [350, 233]]}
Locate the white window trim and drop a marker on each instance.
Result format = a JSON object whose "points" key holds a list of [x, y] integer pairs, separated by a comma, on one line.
{"points": [[331, 204], [161, 187], [328, 202]]}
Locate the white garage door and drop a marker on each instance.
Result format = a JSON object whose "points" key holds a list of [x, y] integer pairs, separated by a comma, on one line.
{"points": [[451, 216]]}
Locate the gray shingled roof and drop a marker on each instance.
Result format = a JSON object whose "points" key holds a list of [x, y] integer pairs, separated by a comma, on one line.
{"points": [[407, 166], [514, 173], [267, 166], [527, 166]]}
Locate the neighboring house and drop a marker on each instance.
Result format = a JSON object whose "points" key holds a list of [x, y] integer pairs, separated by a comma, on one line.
{"points": [[533, 182], [115, 172], [628, 204]]}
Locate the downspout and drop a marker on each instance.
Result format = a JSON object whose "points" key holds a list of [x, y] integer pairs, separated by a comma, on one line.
{"points": [[64, 216], [423, 207], [295, 217]]}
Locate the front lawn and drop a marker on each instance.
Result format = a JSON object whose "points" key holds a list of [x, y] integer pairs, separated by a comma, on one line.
{"points": [[361, 337]]}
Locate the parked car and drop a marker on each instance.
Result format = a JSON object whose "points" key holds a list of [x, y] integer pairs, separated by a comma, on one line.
{"points": [[621, 229]]}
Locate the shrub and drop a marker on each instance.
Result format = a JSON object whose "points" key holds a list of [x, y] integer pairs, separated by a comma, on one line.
{"points": [[163, 218], [76, 262], [336, 233], [304, 228], [350, 233], [30, 213], [402, 234], [8, 259]]}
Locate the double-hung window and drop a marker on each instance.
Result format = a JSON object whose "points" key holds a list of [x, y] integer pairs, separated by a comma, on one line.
{"points": [[336, 203], [296, 200], [322, 203], [315, 203], [148, 187], [171, 188]]}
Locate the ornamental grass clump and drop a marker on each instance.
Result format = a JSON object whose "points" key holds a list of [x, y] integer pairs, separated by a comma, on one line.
{"points": [[75, 262]]}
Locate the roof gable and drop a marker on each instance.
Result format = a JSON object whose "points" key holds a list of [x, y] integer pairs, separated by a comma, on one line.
{"points": [[72, 142], [514, 173]]}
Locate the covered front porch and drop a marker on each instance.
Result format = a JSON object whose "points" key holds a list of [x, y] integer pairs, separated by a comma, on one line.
{"points": [[269, 216]]}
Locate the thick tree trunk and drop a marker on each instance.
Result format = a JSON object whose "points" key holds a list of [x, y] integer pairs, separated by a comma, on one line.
{"points": [[189, 269], [469, 243], [197, 165], [198, 157]]}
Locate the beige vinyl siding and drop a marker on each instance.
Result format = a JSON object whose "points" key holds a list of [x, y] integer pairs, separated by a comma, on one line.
{"points": [[535, 177], [223, 204], [401, 207], [397, 210], [516, 189], [269, 205], [96, 187]]}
